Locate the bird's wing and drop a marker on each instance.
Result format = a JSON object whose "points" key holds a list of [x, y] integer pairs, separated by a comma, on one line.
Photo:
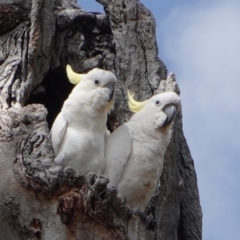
{"points": [[57, 132], [117, 151]]}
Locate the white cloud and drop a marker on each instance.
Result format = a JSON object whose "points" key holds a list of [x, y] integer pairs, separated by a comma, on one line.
{"points": [[201, 44]]}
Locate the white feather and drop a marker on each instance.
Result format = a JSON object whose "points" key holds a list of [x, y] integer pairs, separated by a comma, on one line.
{"points": [[78, 133], [57, 132]]}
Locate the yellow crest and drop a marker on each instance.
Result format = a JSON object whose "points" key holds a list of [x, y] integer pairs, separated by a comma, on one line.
{"points": [[73, 77], [134, 105]]}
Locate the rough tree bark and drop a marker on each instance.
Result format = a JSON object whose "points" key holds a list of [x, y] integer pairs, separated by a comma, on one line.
{"points": [[41, 201]]}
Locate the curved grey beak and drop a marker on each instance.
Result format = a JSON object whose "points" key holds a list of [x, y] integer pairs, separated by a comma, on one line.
{"points": [[170, 111], [111, 87]]}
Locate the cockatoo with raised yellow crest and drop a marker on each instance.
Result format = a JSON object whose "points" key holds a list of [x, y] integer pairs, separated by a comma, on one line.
{"points": [[79, 132], [135, 151]]}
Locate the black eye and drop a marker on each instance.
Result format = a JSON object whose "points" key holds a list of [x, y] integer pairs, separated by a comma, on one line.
{"points": [[96, 82], [157, 102]]}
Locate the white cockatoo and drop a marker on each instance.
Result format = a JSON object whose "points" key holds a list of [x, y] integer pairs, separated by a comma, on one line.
{"points": [[135, 151], [79, 131]]}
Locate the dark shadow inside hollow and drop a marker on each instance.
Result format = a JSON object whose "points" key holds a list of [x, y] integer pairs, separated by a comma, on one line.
{"points": [[52, 93]]}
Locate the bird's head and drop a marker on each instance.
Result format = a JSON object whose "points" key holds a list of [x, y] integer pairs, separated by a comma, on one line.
{"points": [[97, 84], [161, 108]]}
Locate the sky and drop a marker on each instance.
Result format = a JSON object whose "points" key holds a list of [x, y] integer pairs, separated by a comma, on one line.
{"points": [[200, 42]]}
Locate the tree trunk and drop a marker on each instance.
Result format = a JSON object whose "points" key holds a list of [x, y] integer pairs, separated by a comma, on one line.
{"points": [[41, 201]]}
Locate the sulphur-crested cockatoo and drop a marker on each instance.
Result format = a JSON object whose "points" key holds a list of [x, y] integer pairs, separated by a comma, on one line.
{"points": [[135, 151], [79, 132]]}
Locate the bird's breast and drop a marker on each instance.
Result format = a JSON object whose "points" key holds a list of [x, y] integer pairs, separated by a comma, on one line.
{"points": [[83, 150], [141, 172]]}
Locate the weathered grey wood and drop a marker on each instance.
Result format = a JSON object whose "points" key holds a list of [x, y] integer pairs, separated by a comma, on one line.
{"points": [[24, 51], [41, 201]]}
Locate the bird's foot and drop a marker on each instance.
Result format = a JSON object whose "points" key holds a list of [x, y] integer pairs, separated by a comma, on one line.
{"points": [[148, 219], [97, 182]]}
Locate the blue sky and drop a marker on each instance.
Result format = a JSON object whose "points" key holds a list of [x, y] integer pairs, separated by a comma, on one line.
{"points": [[200, 42]]}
